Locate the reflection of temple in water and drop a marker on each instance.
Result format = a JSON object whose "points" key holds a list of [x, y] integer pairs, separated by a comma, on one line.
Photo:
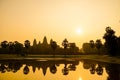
{"points": [[113, 70], [15, 65]]}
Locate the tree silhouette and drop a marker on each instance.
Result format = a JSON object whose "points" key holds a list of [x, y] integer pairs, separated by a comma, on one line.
{"points": [[4, 44], [18, 47], [92, 45], [110, 41], [98, 45], [53, 45], [27, 45], [73, 47], [65, 43], [86, 48], [11, 47]]}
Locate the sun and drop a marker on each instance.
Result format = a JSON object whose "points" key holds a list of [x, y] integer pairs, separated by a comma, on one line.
{"points": [[80, 78], [79, 31]]}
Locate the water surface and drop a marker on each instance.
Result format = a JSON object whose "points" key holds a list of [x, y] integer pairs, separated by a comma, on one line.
{"points": [[58, 69]]}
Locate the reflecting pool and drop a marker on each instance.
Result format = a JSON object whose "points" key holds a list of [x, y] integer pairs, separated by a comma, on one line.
{"points": [[58, 69]]}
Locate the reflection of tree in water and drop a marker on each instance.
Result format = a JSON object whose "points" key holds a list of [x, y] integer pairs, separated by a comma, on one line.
{"points": [[87, 64], [10, 67], [69, 67], [2, 68], [113, 71], [65, 70], [53, 69], [26, 70], [99, 69], [53, 45], [72, 67], [16, 67], [94, 67]]}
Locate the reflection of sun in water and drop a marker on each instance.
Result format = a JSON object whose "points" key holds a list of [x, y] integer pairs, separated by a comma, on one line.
{"points": [[80, 78], [78, 31]]}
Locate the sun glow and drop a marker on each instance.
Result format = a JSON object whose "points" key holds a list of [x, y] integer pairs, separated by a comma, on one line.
{"points": [[80, 78], [79, 31]]}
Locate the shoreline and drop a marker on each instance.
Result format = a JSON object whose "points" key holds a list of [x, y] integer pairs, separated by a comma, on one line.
{"points": [[101, 58]]}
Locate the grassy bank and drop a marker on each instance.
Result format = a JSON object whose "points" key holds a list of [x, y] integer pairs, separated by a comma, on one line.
{"points": [[102, 58]]}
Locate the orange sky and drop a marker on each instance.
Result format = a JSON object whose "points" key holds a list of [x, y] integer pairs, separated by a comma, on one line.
{"points": [[57, 19]]}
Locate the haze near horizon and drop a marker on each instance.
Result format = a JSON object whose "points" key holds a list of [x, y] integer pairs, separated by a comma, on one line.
{"points": [[77, 20]]}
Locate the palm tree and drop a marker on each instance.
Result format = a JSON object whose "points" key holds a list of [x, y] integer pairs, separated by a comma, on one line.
{"points": [[65, 43], [27, 45], [53, 45], [98, 44], [92, 44]]}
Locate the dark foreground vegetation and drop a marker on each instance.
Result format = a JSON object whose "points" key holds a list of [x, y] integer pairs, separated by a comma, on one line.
{"points": [[110, 47]]}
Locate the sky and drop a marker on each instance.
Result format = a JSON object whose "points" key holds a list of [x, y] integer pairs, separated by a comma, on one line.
{"points": [[77, 20]]}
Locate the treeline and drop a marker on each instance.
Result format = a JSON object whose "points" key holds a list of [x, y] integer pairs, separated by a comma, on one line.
{"points": [[39, 48], [94, 47], [110, 47]]}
